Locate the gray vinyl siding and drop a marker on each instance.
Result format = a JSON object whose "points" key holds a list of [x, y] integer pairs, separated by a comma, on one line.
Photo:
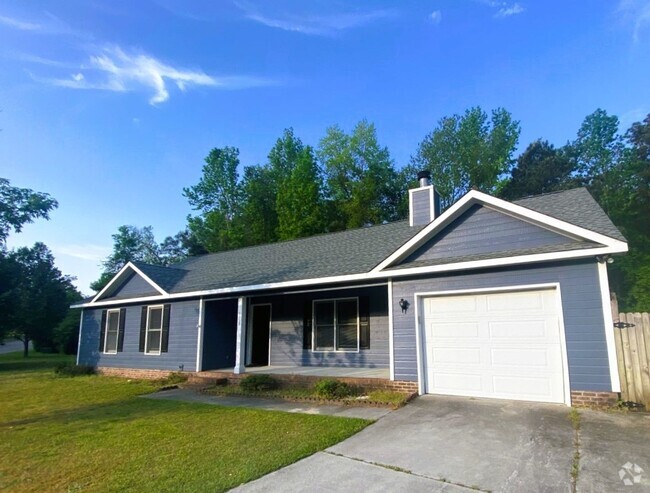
{"points": [[287, 330], [134, 287], [184, 317], [581, 303], [421, 206], [484, 230]]}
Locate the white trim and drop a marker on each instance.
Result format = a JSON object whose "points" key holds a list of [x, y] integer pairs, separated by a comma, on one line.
{"points": [[609, 327], [199, 335], [411, 206], [335, 301], [249, 335], [117, 338], [419, 297], [523, 213], [147, 329], [119, 275], [81, 324], [523, 259], [240, 351], [391, 343]]}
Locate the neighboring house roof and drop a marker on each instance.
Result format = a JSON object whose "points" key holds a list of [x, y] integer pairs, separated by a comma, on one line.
{"points": [[377, 251]]}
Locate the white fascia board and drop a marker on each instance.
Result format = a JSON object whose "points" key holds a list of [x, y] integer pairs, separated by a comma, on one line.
{"points": [[121, 274], [476, 197], [476, 264]]}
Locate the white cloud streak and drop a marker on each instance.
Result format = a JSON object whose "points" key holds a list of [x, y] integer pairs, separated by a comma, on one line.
{"points": [[19, 24], [436, 17], [113, 69], [637, 14], [94, 253], [317, 25], [509, 10]]}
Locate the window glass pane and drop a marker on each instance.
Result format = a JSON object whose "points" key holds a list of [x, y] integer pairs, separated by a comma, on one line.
{"points": [[324, 312], [155, 318], [153, 341], [347, 337], [111, 342], [113, 321], [324, 337], [347, 312]]}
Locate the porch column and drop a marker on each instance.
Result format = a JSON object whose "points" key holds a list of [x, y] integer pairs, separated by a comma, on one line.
{"points": [[240, 354], [199, 335]]}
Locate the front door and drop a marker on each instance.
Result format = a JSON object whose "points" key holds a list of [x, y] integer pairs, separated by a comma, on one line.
{"points": [[260, 332]]}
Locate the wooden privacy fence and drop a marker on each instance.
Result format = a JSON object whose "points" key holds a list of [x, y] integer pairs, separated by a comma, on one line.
{"points": [[632, 336]]}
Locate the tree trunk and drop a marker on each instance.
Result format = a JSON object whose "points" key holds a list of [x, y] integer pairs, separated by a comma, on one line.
{"points": [[26, 347]]}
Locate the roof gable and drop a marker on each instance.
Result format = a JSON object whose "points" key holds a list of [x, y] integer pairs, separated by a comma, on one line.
{"points": [[481, 230], [129, 282]]}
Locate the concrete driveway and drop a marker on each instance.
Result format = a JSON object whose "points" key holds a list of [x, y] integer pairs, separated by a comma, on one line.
{"points": [[446, 444]]}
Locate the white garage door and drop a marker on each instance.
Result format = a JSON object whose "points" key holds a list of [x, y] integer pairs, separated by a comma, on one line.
{"points": [[501, 345]]}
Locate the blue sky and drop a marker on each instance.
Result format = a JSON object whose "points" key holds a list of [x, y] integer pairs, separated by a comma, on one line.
{"points": [[111, 106]]}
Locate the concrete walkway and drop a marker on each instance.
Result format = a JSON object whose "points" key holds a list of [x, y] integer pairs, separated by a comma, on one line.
{"points": [[189, 395]]}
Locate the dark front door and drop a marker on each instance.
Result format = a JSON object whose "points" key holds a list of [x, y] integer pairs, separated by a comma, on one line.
{"points": [[261, 326]]}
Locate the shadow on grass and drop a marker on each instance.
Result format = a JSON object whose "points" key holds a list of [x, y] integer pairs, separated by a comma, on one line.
{"points": [[34, 362]]}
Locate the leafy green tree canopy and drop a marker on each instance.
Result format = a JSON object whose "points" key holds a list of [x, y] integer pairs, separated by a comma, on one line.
{"points": [[468, 151], [19, 206]]}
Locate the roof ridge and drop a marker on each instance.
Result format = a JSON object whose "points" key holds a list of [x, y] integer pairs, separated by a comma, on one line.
{"points": [[550, 193]]}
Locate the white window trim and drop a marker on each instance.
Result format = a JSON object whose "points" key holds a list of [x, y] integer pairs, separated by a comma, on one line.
{"points": [[313, 326], [526, 287], [117, 339], [162, 323]]}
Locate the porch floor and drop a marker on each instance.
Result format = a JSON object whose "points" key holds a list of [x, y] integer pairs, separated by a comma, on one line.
{"points": [[318, 371]]}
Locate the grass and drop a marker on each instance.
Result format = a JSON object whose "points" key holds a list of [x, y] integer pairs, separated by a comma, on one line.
{"points": [[388, 398], [93, 433], [574, 416]]}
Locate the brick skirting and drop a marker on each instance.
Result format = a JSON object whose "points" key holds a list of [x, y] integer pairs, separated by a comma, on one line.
{"points": [[135, 373], [587, 398], [286, 380]]}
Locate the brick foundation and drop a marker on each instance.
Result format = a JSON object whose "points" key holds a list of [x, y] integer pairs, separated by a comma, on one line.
{"points": [[587, 398], [212, 377], [135, 373]]}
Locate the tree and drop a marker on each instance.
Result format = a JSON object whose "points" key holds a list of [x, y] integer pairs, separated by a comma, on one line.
{"points": [[541, 168], [359, 175], [301, 210], [468, 151], [259, 212], [218, 198], [19, 206], [133, 244], [39, 295]]}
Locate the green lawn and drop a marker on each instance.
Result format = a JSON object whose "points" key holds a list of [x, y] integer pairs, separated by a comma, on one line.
{"points": [[93, 433]]}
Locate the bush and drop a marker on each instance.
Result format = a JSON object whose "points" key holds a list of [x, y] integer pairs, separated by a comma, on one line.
{"points": [[332, 389], [72, 370], [253, 383], [174, 378]]}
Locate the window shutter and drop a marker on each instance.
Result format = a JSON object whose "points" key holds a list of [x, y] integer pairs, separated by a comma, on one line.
{"points": [[143, 328], [165, 329], [120, 333], [102, 332], [306, 325], [364, 322]]}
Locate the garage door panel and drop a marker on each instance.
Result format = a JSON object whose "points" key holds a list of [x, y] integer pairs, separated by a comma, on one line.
{"points": [[510, 347]]}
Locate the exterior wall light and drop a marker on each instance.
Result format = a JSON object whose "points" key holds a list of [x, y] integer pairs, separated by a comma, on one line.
{"points": [[404, 305]]}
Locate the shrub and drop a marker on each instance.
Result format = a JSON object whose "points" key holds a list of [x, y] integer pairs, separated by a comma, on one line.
{"points": [[332, 389], [253, 383], [72, 370], [174, 378]]}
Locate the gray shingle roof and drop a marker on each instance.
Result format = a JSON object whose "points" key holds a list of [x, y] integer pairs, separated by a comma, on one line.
{"points": [[575, 206], [347, 252], [353, 251]]}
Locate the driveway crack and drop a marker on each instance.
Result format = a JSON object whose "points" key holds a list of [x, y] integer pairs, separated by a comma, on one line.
{"points": [[407, 471]]}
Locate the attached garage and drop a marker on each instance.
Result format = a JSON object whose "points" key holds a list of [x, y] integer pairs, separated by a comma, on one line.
{"points": [[503, 344]]}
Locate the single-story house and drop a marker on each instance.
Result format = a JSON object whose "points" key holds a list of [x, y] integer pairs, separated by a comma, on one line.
{"points": [[489, 299]]}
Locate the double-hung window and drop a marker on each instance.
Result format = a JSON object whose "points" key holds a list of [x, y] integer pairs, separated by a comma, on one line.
{"points": [[112, 330], [336, 325], [154, 329]]}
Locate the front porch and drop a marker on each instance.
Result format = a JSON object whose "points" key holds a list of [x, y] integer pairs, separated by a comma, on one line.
{"points": [[318, 371]]}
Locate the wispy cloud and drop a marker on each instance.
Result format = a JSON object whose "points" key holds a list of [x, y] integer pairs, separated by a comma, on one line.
{"points": [[318, 25], [436, 17], [95, 253], [637, 14], [509, 10], [19, 24], [113, 69]]}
